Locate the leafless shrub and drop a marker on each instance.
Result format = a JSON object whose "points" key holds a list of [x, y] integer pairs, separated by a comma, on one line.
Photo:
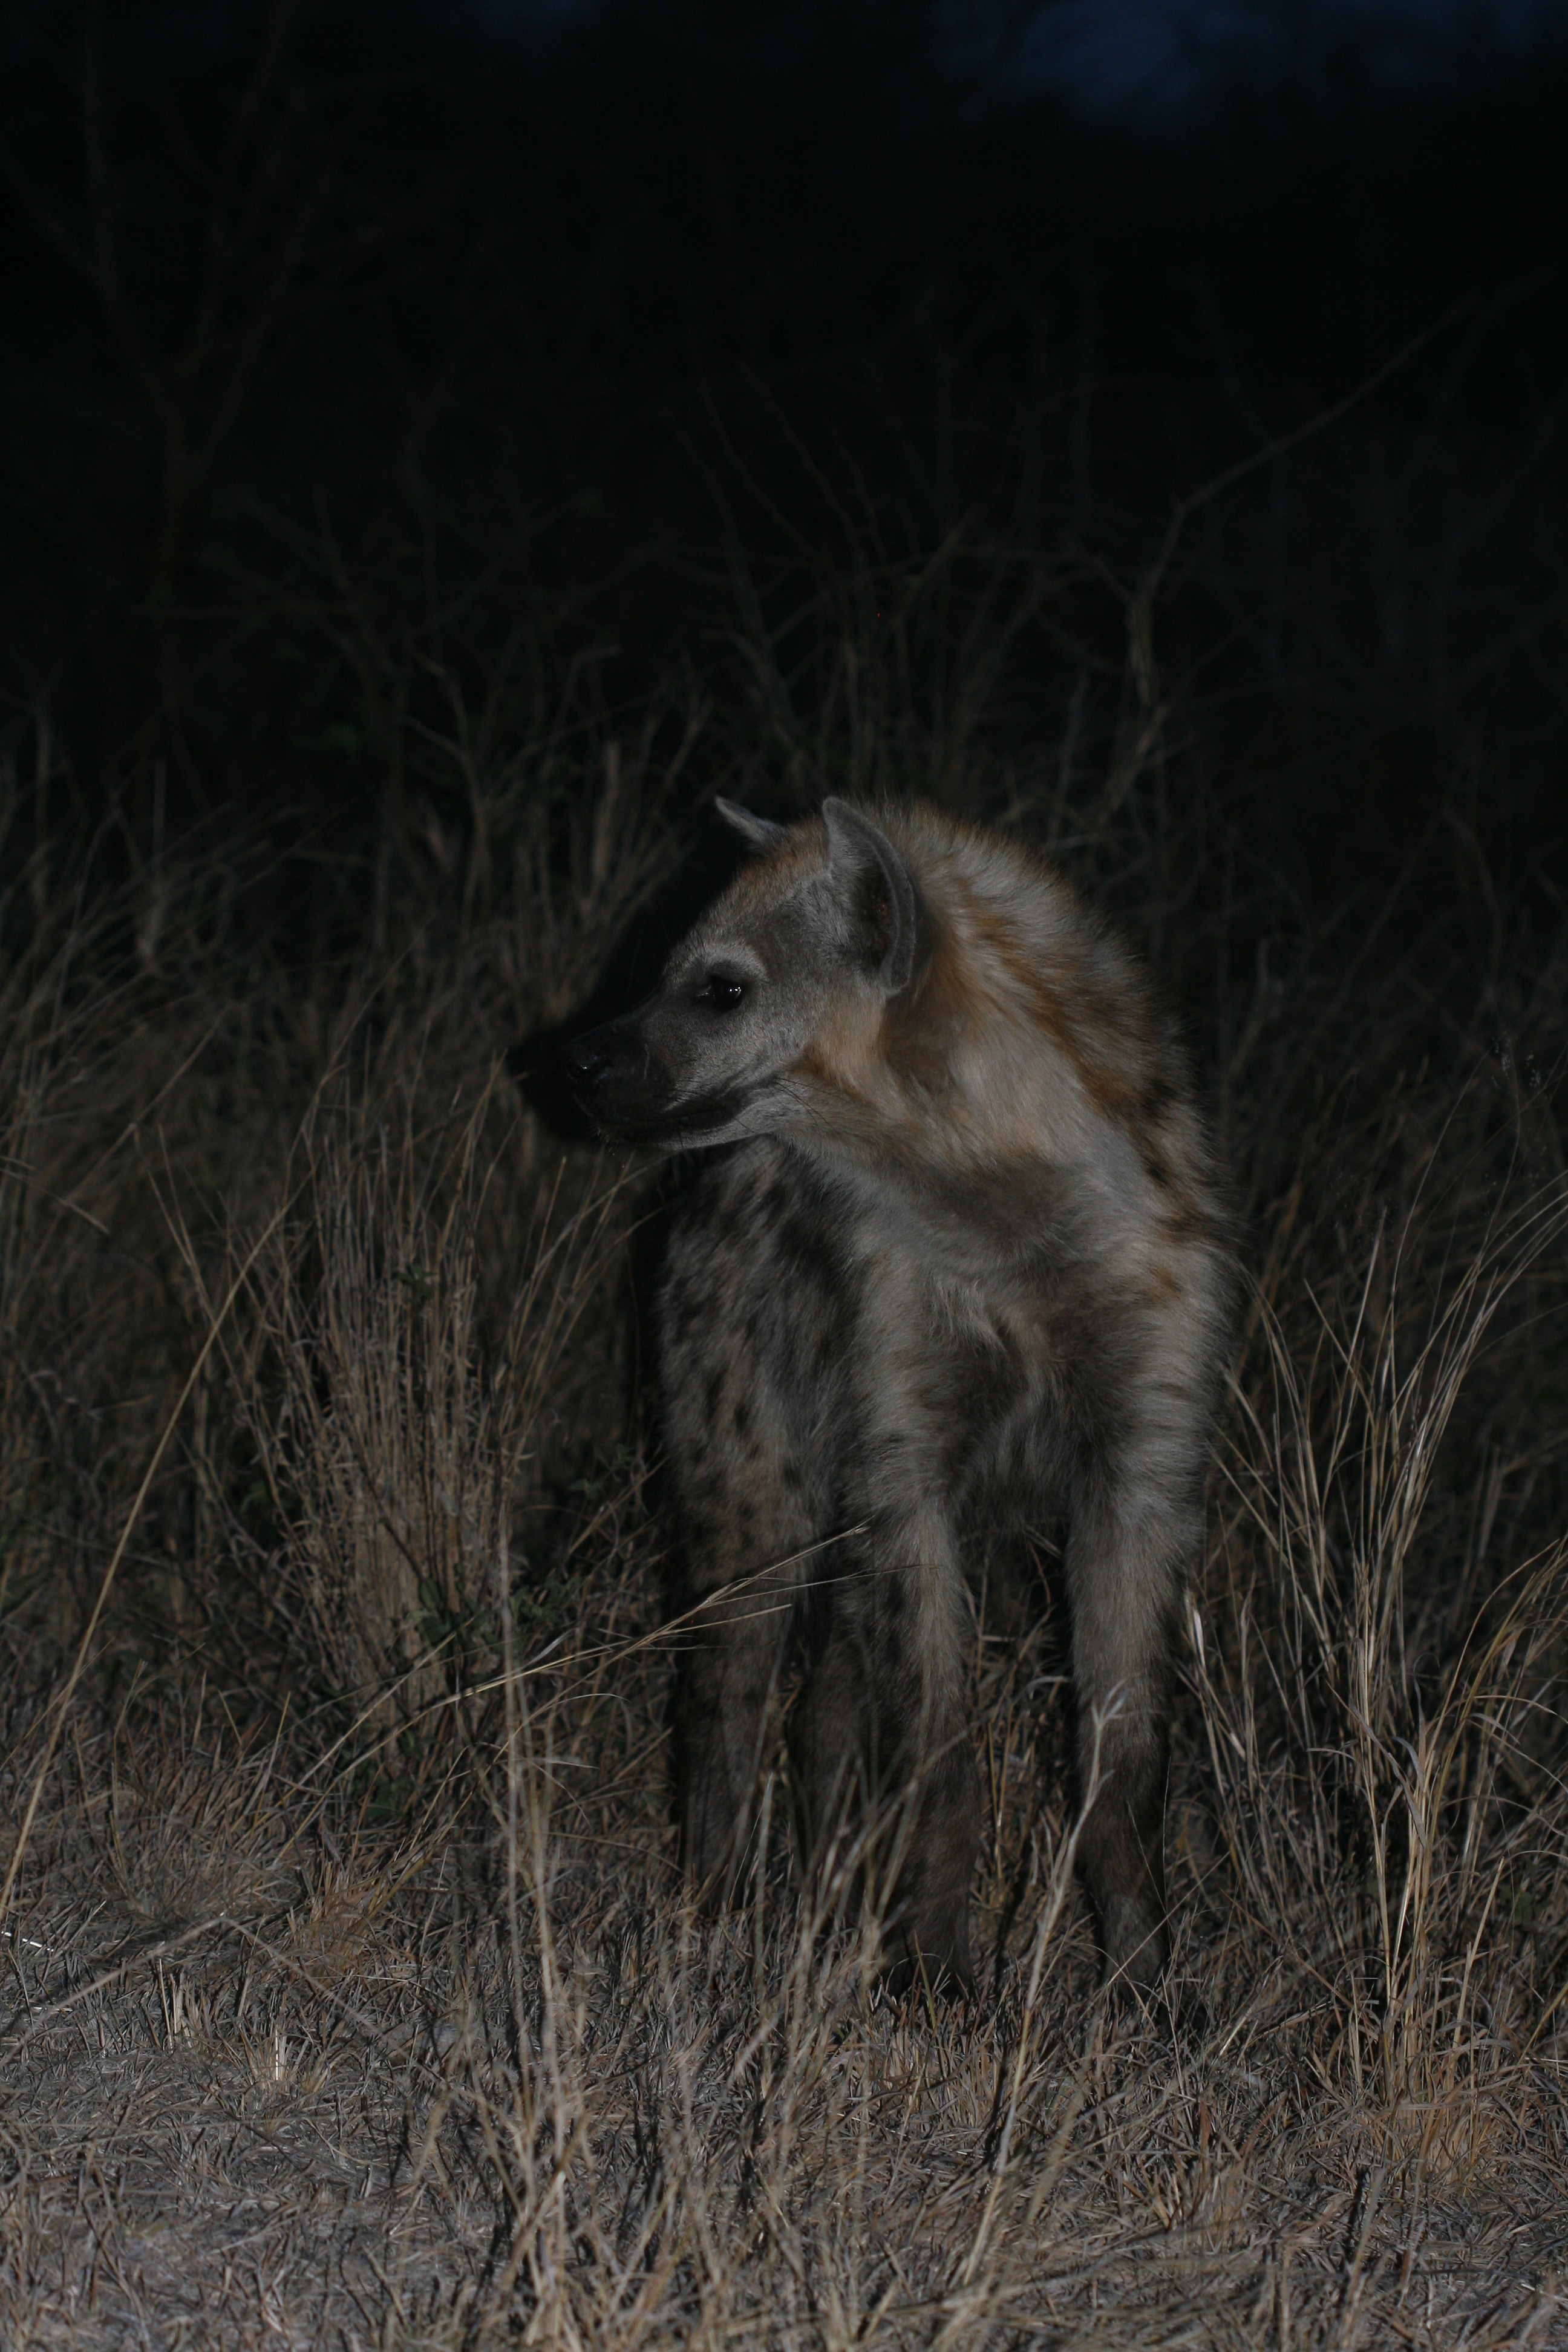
{"points": [[399, 1451], [1346, 1760]]}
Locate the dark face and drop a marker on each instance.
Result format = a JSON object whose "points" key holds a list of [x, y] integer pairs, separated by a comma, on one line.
{"points": [[661, 1074]]}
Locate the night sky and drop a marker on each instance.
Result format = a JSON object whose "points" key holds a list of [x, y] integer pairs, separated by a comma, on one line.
{"points": [[1168, 67], [561, 249]]}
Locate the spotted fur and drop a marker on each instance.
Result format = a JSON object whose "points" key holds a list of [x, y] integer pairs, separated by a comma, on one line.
{"points": [[966, 1252]]}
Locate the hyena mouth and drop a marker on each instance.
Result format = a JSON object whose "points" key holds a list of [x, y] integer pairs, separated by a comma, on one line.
{"points": [[631, 1097]]}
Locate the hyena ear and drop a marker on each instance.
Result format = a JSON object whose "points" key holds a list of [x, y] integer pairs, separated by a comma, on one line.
{"points": [[760, 831], [878, 889]]}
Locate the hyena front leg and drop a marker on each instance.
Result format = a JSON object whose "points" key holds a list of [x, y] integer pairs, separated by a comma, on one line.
{"points": [[1124, 1561], [750, 1505], [747, 1516], [723, 1719], [885, 1740]]}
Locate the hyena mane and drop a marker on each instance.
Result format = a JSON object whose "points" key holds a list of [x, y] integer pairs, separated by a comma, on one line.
{"points": [[963, 1250]]}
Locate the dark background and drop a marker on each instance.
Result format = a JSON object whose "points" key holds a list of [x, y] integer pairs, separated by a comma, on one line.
{"points": [[365, 362]]}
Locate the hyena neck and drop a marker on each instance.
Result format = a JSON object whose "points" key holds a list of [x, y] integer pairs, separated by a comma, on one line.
{"points": [[929, 1203]]}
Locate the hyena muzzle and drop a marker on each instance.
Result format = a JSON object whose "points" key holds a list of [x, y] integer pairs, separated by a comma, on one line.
{"points": [[964, 1255]]}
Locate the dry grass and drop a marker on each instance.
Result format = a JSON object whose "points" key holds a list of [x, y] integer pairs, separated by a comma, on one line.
{"points": [[278, 2069], [352, 1993]]}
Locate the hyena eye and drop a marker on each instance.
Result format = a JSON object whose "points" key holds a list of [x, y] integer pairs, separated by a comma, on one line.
{"points": [[720, 991]]}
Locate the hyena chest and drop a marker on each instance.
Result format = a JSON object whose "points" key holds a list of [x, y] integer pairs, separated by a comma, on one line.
{"points": [[853, 1335], [959, 1368]]}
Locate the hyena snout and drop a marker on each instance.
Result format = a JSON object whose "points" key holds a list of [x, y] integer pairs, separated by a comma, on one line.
{"points": [[617, 1077], [602, 1055]]}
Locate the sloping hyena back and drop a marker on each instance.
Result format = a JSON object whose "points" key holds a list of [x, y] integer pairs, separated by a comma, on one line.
{"points": [[966, 1248]]}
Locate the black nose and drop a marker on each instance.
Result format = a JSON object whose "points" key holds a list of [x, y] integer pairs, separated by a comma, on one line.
{"points": [[588, 1059]]}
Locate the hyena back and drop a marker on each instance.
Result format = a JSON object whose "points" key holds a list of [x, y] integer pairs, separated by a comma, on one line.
{"points": [[967, 1252]]}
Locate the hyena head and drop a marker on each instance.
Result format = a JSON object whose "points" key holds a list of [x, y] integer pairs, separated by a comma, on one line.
{"points": [[822, 929]]}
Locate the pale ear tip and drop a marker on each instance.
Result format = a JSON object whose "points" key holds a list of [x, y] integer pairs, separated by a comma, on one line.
{"points": [[762, 832]]}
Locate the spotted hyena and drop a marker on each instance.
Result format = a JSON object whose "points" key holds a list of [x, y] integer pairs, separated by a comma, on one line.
{"points": [[963, 1253]]}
